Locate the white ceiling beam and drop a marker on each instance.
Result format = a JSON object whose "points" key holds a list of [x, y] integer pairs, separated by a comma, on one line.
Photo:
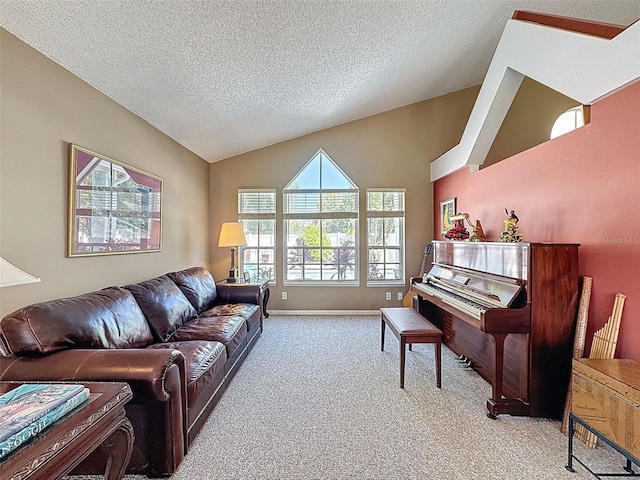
{"points": [[583, 67]]}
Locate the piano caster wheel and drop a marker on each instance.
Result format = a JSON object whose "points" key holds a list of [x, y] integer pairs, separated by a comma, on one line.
{"points": [[492, 416], [462, 359]]}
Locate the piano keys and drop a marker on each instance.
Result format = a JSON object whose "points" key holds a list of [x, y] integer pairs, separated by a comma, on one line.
{"points": [[510, 310]]}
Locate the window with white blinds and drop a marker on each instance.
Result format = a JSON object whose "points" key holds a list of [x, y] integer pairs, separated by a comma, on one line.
{"points": [[321, 225], [385, 236], [257, 213]]}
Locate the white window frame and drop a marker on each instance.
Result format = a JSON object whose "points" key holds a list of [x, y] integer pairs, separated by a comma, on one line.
{"points": [[384, 262], [319, 194], [264, 267]]}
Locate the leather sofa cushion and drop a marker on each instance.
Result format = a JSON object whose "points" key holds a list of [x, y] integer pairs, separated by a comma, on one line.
{"points": [[201, 357], [108, 318], [249, 311], [198, 285], [243, 309], [164, 305], [229, 330]]}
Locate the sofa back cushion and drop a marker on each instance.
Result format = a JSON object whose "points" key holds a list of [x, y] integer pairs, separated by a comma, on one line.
{"points": [[198, 286], [163, 304], [108, 318]]}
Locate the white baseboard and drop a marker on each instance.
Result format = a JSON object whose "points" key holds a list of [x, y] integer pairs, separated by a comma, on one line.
{"points": [[324, 312]]}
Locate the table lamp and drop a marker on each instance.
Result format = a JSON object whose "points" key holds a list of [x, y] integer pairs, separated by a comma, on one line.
{"points": [[11, 275], [232, 236]]}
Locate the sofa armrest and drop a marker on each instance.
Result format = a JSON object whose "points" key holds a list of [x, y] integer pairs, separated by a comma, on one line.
{"points": [[145, 370], [238, 293], [158, 410]]}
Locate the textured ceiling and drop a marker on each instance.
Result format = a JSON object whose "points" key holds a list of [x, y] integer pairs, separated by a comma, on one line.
{"points": [[227, 77]]}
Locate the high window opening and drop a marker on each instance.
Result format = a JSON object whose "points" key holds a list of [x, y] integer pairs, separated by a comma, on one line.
{"points": [[528, 121], [568, 121], [257, 213], [320, 208]]}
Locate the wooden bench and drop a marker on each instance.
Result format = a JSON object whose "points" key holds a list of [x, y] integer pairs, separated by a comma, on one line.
{"points": [[410, 327]]}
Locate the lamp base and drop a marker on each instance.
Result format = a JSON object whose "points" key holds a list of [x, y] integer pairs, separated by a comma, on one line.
{"points": [[232, 276]]}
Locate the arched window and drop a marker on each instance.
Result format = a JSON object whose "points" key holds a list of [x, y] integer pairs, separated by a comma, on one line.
{"points": [[568, 121], [320, 225]]}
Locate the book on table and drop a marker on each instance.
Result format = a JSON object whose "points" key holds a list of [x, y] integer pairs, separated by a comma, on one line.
{"points": [[30, 408]]}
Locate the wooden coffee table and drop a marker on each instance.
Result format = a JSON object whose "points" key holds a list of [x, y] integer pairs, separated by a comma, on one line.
{"points": [[100, 423]]}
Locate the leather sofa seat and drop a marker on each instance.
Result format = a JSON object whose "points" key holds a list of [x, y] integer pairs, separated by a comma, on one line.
{"points": [[231, 331], [245, 310]]}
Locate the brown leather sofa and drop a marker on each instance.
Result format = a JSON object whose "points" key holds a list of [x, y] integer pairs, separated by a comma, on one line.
{"points": [[177, 340]]}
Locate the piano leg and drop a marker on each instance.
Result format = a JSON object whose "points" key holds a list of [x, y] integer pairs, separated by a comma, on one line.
{"points": [[497, 404], [496, 391]]}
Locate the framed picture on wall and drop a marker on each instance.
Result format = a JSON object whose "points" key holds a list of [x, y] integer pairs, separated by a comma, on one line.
{"points": [[447, 210], [113, 208]]}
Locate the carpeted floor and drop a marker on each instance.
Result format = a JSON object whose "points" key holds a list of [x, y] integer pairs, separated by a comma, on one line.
{"points": [[317, 399]]}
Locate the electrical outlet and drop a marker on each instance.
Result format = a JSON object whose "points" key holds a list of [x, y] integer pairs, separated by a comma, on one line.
{"points": [[284, 295], [388, 295], [399, 295]]}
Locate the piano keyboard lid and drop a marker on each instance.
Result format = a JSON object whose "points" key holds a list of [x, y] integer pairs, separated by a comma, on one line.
{"points": [[496, 292]]}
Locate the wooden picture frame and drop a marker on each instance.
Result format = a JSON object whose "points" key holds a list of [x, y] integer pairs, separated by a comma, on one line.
{"points": [[113, 208], [447, 210]]}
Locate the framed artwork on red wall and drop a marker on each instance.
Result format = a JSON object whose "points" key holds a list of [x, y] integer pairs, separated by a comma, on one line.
{"points": [[447, 210]]}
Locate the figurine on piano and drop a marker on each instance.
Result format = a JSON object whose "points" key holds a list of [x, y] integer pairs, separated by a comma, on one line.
{"points": [[510, 233]]}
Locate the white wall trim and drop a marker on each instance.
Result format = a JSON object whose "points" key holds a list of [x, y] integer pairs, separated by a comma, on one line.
{"points": [[583, 67]]}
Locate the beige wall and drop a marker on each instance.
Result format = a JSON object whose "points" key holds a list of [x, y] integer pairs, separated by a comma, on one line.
{"points": [[528, 122], [391, 149], [43, 108]]}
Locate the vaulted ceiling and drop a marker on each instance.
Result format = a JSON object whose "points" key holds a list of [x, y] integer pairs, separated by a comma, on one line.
{"points": [[226, 77]]}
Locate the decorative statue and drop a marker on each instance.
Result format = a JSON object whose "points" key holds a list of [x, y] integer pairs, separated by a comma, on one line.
{"points": [[478, 233], [510, 233]]}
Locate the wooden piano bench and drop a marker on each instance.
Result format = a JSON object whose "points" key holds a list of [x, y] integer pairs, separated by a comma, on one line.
{"points": [[410, 327]]}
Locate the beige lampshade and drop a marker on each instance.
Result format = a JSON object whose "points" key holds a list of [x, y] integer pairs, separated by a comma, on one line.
{"points": [[232, 235], [11, 275]]}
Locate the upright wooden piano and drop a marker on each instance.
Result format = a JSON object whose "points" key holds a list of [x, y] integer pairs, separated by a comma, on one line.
{"points": [[510, 309]]}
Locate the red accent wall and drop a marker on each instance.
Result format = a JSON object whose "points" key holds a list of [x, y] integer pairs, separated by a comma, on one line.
{"points": [[582, 187]]}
